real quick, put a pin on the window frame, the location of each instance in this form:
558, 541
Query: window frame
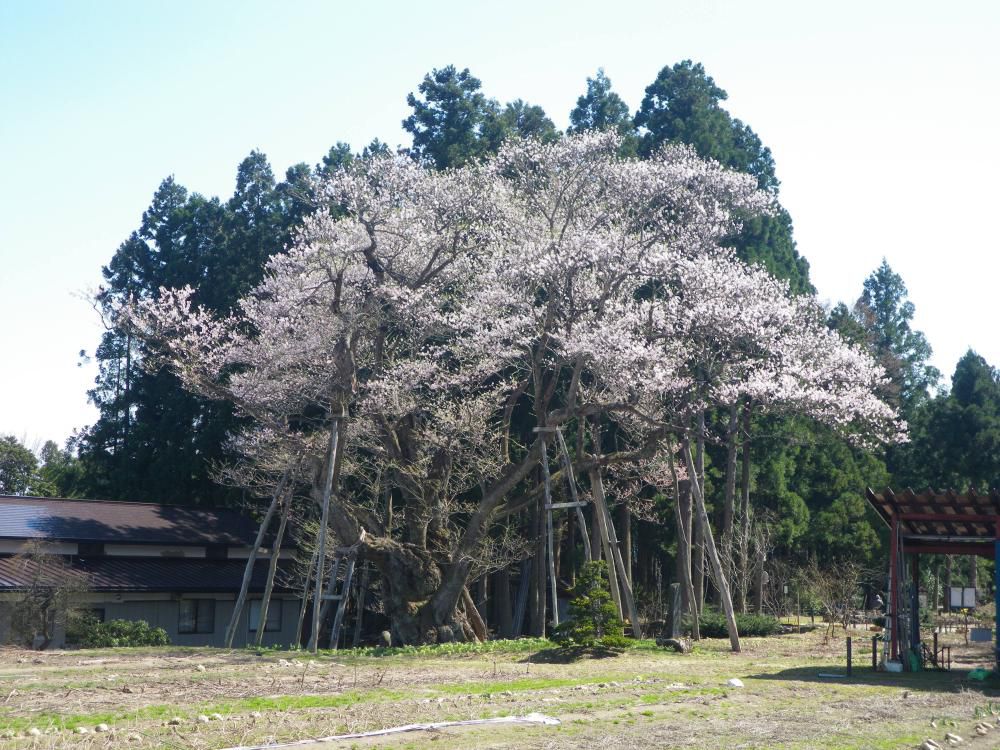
274, 616
202, 618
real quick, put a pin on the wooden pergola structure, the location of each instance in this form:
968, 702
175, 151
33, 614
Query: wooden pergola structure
934, 523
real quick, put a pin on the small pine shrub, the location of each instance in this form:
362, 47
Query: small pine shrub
713, 625
593, 619
90, 633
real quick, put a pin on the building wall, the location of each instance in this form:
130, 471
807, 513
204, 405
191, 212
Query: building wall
163, 610
165, 614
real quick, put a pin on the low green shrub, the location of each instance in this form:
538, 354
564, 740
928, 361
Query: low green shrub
713, 625
90, 633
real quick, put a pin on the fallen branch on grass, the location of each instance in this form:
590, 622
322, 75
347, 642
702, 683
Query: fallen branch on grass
529, 719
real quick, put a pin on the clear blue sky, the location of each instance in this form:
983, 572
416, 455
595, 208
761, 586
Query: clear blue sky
882, 117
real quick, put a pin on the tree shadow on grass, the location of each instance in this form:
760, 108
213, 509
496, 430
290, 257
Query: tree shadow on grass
926, 681
570, 654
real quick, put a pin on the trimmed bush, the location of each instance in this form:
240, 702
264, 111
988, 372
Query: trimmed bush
713, 625
90, 633
593, 619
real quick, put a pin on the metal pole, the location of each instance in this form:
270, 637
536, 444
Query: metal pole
849, 655
874, 653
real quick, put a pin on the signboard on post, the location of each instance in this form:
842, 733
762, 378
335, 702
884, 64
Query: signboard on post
960, 597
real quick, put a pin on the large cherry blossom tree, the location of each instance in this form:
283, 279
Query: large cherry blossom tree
420, 342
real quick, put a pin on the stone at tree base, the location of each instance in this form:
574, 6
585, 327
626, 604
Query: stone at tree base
680, 645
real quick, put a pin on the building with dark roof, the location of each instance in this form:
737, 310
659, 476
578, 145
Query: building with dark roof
178, 568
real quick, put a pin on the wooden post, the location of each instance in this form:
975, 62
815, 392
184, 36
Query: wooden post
676, 612
850, 666
362, 595
996, 599
251, 560
501, 604
713, 553
345, 593
915, 602
571, 481
893, 621
305, 599
874, 653
597, 486
323, 523
272, 567
547, 482
601, 526
521, 604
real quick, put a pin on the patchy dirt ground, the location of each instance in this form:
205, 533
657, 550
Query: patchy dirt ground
644, 698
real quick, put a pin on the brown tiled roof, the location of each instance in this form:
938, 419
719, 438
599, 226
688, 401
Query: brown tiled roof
115, 522
172, 575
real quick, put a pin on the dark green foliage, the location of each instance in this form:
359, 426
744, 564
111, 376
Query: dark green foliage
955, 437
885, 313
683, 106
447, 123
602, 109
713, 625
60, 474
593, 619
17, 466
88, 632
517, 119
153, 441
454, 123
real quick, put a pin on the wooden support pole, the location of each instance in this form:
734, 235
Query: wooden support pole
571, 481
875, 653
915, 602
345, 593
893, 622
615, 557
549, 545
362, 596
331, 459
713, 553
305, 599
850, 666
251, 560
272, 567
601, 526
996, 581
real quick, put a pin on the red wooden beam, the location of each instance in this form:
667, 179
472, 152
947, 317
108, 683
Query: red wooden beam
982, 549
948, 517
